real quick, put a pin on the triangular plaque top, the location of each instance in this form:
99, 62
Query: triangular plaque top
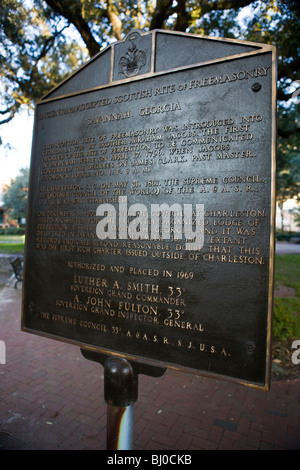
144, 54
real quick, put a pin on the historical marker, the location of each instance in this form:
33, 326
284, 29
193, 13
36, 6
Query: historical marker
150, 229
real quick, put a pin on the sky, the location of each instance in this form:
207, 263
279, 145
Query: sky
17, 133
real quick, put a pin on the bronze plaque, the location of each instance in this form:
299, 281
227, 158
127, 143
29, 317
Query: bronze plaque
150, 229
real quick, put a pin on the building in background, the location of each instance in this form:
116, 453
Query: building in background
285, 218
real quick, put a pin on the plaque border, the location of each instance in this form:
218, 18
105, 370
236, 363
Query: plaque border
260, 49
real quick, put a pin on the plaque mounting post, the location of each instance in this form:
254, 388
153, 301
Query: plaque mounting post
120, 394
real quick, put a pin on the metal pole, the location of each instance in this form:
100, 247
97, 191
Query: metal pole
120, 393
119, 427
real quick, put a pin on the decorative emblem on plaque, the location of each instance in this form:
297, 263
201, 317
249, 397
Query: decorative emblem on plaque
133, 61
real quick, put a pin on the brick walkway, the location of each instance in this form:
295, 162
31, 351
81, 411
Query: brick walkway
52, 398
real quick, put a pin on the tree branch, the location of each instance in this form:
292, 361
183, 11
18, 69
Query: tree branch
183, 17
162, 11
281, 96
115, 20
210, 5
12, 111
73, 14
5, 111
49, 42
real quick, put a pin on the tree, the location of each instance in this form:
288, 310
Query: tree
15, 196
288, 161
297, 216
43, 41
34, 54
278, 23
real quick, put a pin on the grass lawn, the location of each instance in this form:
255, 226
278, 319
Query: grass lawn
12, 243
287, 271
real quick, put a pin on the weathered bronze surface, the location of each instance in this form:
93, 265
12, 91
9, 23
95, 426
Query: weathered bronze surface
157, 132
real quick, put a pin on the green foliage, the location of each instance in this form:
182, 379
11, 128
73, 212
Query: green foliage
12, 231
286, 323
35, 54
15, 196
45, 40
286, 236
297, 217
277, 22
288, 161
216, 23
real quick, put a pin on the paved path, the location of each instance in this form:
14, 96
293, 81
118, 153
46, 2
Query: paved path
52, 398
287, 248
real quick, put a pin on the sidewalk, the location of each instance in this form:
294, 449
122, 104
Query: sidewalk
287, 248
52, 398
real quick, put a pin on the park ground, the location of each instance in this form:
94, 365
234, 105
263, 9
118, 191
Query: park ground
52, 397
